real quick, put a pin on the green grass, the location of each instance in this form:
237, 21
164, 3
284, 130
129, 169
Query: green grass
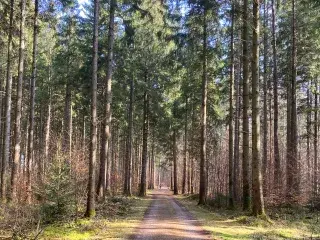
285, 223
117, 226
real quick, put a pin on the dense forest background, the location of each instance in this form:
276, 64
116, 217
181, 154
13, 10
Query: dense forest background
209, 97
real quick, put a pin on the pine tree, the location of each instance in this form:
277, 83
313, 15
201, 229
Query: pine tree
90, 212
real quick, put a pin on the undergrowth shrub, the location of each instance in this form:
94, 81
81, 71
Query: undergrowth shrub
57, 192
314, 203
114, 206
192, 197
218, 201
17, 220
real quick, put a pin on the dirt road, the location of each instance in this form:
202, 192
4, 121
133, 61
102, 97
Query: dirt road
166, 219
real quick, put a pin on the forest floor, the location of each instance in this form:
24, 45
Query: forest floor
105, 226
167, 219
286, 223
117, 218
163, 216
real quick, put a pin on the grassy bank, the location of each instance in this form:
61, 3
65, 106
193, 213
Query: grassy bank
286, 223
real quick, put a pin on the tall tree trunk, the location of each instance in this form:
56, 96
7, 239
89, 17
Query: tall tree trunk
138, 162
245, 121
275, 102
236, 175
175, 163
25, 146
315, 143
114, 164
171, 175
309, 98
7, 125
184, 174
145, 135
17, 129
128, 177
292, 161
257, 193
189, 175
159, 176
113, 145
288, 135
152, 162
2, 164
203, 142
40, 141
103, 183
231, 102
32, 101
48, 124
84, 128
149, 171
192, 148
68, 122
134, 163
265, 93
90, 211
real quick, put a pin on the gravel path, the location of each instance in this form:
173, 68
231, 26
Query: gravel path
166, 219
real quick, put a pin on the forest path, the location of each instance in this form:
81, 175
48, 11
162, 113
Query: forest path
167, 219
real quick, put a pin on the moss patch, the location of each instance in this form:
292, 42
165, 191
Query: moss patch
233, 224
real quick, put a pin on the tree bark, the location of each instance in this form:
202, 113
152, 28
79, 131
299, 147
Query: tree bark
309, 100
114, 166
257, 192
90, 211
245, 121
128, 177
84, 128
67, 122
184, 174
17, 129
203, 141
292, 161
175, 163
32, 101
48, 124
265, 93
277, 169
315, 141
236, 175
103, 187
192, 188
145, 135
171, 178
231, 102
152, 163
7, 125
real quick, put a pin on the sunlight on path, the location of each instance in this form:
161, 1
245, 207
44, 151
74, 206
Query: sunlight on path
166, 219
